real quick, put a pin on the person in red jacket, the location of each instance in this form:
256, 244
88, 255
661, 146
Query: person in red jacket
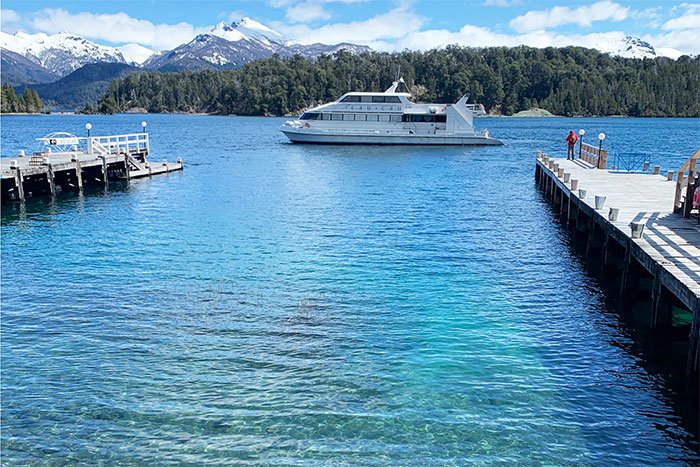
571, 142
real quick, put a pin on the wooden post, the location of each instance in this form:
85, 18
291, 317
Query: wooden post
52, 182
662, 310
693, 366
604, 252
127, 174
19, 182
104, 169
79, 175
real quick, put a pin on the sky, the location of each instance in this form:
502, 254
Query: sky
388, 25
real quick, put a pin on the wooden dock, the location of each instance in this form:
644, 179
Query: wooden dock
67, 162
627, 222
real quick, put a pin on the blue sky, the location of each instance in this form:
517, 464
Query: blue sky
382, 24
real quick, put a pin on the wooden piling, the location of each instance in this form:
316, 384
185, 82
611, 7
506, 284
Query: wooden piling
79, 175
663, 255
50, 178
19, 183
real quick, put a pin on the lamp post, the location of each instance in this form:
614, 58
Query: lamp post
581, 132
88, 127
143, 125
601, 137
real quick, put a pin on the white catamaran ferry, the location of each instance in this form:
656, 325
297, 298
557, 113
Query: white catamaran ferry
389, 117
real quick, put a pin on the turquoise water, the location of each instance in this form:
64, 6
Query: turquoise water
282, 304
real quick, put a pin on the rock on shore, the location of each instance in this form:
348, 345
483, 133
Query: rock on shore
534, 112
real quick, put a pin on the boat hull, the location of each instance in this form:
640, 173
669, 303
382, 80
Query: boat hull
307, 137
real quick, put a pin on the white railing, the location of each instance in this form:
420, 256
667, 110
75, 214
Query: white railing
118, 144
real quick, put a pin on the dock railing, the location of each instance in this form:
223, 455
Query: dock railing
594, 156
686, 185
131, 144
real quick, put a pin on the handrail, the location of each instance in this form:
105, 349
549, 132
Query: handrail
136, 143
684, 206
594, 156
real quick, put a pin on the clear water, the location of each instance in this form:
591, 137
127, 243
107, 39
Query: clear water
283, 304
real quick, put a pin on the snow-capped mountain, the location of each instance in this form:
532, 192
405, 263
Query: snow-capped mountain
59, 53
209, 52
233, 45
634, 47
18, 69
247, 28
135, 53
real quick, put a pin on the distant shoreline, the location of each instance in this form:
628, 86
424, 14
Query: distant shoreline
525, 115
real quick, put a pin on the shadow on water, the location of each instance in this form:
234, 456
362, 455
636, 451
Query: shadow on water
16, 211
662, 357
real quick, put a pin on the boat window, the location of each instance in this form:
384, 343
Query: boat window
310, 116
395, 118
392, 100
350, 117
420, 118
337, 116
383, 117
361, 117
380, 99
351, 99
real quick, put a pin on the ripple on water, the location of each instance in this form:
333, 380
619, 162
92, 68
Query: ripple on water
286, 304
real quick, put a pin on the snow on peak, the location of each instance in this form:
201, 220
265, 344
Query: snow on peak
246, 29
60, 53
629, 47
227, 32
252, 25
135, 53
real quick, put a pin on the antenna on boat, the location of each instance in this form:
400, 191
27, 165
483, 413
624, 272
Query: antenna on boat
398, 74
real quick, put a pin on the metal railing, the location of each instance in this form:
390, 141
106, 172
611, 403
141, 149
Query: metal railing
631, 162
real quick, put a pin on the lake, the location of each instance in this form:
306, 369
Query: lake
284, 304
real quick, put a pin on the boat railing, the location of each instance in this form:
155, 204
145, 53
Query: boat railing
476, 109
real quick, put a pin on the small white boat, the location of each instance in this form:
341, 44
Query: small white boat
389, 117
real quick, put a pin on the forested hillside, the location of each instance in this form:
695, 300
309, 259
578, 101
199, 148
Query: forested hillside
565, 81
28, 102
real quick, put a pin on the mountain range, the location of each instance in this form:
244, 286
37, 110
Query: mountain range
32, 59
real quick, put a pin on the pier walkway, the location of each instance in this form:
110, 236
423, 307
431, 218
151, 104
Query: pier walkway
627, 221
66, 162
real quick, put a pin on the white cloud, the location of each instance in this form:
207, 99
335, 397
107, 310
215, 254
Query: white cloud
393, 24
686, 21
687, 7
682, 32
685, 41
559, 15
306, 12
115, 28
235, 15
475, 36
9, 20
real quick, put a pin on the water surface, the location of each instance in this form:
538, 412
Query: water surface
285, 304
